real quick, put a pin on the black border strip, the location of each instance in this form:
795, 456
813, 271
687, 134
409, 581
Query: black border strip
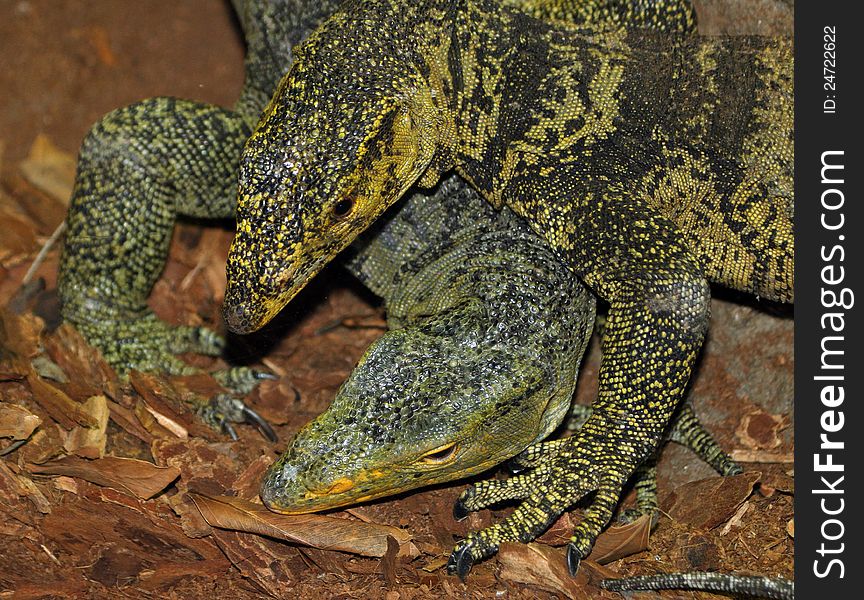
828, 270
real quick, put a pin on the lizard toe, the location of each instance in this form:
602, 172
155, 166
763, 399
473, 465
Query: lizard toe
242, 380
460, 513
460, 561
222, 411
198, 340
574, 559
493, 491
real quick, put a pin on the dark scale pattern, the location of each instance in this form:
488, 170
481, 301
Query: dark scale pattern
650, 163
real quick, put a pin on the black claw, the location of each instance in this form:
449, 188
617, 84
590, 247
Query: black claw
513, 466
253, 418
265, 375
459, 511
229, 429
460, 561
573, 559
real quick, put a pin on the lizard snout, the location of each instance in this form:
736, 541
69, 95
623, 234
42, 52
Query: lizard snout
237, 318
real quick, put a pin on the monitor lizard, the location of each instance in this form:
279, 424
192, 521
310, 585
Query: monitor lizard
650, 163
164, 157
487, 329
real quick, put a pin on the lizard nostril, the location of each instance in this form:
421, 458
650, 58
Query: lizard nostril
236, 317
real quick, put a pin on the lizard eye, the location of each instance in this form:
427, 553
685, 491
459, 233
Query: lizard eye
440, 455
343, 208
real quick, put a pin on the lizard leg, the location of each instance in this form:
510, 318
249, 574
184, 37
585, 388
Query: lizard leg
659, 304
139, 168
688, 431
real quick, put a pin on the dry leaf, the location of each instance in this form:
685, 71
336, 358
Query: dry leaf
50, 169
560, 532
144, 416
19, 336
14, 486
759, 430
248, 483
135, 477
166, 421
775, 482
318, 531
66, 484
387, 564
45, 444
762, 457
17, 422
35, 495
707, 503
622, 540
543, 567
127, 420
616, 542
735, 521
269, 564
74, 355
160, 400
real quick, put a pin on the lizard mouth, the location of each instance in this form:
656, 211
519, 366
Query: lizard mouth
286, 491
245, 311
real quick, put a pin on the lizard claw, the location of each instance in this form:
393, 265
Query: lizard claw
460, 561
229, 429
513, 466
260, 423
266, 375
573, 559
460, 511
223, 409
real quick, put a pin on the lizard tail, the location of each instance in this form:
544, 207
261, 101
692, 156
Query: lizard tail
771, 588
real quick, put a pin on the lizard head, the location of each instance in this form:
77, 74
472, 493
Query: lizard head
350, 128
419, 409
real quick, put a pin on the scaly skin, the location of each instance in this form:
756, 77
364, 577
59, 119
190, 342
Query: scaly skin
649, 163
140, 168
143, 165
739, 585
487, 330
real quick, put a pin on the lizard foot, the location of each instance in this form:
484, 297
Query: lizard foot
562, 472
223, 410
143, 342
242, 380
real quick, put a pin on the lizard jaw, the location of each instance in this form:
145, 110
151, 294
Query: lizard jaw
246, 311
